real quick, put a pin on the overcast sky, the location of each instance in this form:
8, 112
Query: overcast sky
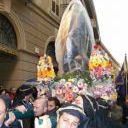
113, 24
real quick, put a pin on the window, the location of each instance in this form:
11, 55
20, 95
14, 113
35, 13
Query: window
51, 52
7, 33
56, 7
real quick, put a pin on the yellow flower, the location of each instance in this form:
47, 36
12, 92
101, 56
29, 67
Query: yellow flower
114, 96
71, 80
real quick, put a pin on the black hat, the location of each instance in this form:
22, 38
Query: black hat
21, 92
25, 90
6, 100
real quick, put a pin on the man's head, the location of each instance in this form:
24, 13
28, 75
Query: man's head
67, 120
3, 109
70, 116
40, 106
53, 103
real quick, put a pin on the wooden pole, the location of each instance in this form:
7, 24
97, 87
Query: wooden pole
126, 76
126, 96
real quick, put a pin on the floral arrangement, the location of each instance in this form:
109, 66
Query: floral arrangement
100, 65
105, 90
101, 68
45, 69
67, 90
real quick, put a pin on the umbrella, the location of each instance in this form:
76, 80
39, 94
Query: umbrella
31, 82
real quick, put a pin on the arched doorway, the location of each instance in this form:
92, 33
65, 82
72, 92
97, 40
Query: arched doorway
8, 48
51, 52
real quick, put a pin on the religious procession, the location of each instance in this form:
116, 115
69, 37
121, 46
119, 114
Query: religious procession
84, 90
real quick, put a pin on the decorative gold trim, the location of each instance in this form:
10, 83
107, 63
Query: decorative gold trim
8, 50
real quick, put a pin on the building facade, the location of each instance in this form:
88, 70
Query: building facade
28, 29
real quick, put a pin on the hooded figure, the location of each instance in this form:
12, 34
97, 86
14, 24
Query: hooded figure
71, 116
23, 96
89, 105
97, 112
103, 119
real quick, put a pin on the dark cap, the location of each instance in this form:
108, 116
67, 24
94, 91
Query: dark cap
6, 100
25, 90
73, 110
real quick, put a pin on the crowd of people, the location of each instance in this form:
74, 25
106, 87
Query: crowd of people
31, 107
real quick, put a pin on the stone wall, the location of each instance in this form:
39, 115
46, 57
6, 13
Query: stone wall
35, 29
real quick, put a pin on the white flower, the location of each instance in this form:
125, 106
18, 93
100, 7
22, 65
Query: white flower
80, 84
62, 81
75, 89
68, 84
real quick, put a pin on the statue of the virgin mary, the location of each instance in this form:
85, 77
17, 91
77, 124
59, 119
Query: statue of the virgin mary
75, 37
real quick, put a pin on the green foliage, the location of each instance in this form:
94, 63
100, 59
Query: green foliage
76, 74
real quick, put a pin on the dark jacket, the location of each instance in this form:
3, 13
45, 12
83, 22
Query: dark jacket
15, 124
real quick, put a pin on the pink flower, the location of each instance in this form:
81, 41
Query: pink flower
59, 91
97, 93
69, 96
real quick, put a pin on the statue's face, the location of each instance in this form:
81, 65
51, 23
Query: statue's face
67, 120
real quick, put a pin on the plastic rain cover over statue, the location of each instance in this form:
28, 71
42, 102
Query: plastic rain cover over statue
75, 37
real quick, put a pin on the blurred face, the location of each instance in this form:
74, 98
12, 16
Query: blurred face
3, 92
51, 105
27, 97
68, 121
2, 111
40, 106
13, 90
